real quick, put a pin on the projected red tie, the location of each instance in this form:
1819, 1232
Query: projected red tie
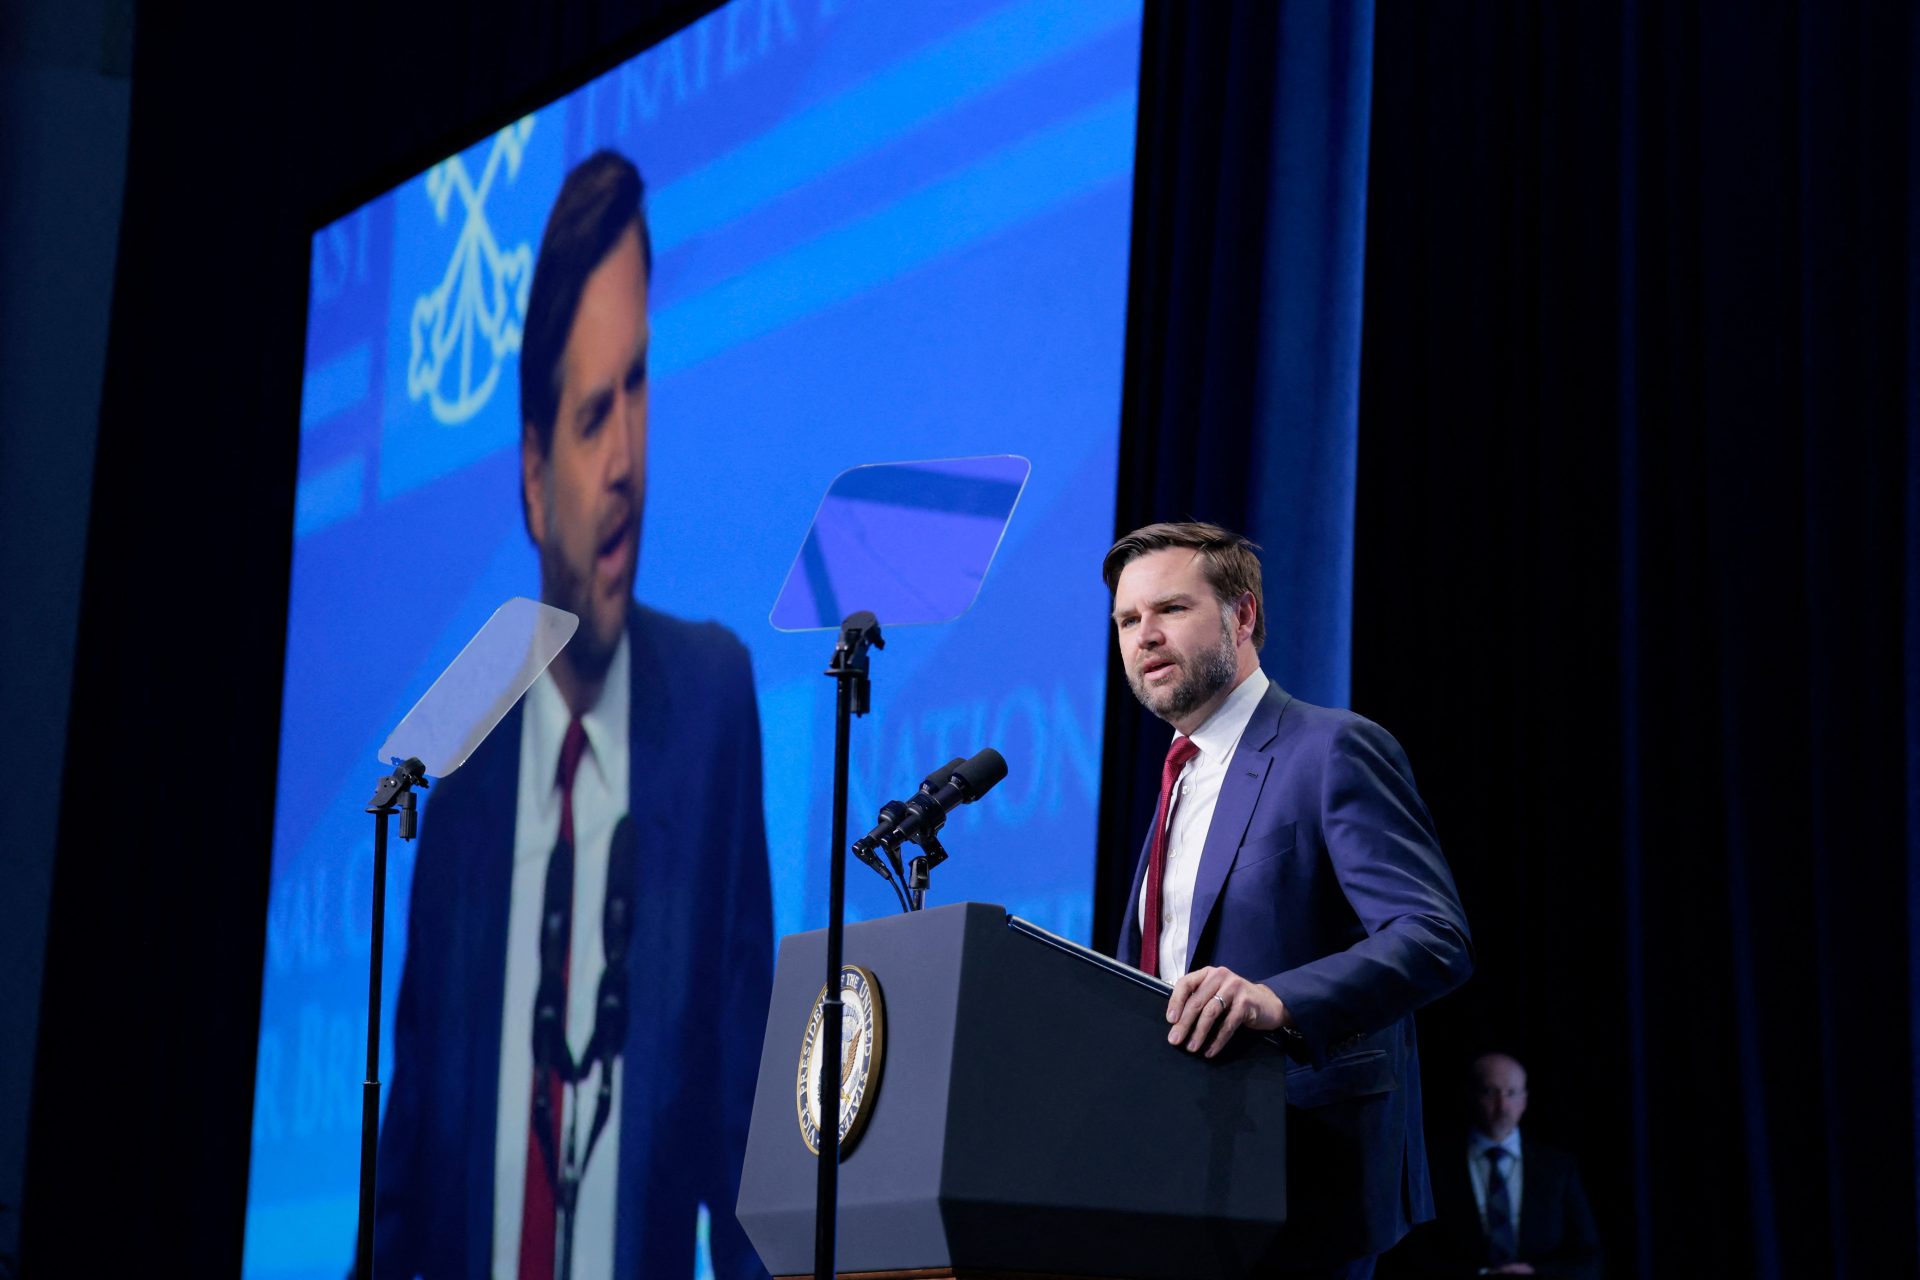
537, 1203
1182, 750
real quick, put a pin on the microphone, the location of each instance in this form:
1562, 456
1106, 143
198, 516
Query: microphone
550, 998
616, 933
610, 1004
938, 778
966, 781
550, 1052
890, 814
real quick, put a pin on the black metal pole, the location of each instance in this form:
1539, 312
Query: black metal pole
393, 795
826, 1203
849, 669
370, 1088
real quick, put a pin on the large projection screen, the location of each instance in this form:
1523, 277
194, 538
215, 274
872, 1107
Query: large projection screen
878, 232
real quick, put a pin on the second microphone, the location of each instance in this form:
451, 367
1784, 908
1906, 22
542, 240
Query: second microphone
926, 811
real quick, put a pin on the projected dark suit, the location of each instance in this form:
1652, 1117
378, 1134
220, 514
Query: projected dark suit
701, 971
1321, 877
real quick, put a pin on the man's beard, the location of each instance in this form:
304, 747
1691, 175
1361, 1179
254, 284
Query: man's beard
1202, 675
589, 653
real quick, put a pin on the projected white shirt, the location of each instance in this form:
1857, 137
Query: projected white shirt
599, 798
1199, 791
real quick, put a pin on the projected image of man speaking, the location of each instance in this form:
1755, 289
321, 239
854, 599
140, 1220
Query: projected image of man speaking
590, 929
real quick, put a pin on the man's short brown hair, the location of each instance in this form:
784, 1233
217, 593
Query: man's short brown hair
601, 197
1231, 562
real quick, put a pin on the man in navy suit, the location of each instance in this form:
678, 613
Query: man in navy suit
1293, 885
1504, 1208
589, 939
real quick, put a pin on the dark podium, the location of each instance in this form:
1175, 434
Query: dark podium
1029, 1117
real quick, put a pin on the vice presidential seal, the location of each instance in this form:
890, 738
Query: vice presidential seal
863, 1026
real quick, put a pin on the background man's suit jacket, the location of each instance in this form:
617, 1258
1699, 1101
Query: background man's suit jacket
1321, 876
702, 972
1557, 1231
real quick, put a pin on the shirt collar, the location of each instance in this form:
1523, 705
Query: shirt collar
1221, 733
1478, 1143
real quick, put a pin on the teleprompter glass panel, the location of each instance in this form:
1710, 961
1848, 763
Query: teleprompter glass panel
480, 685
911, 542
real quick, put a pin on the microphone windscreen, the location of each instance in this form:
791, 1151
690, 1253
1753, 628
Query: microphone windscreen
982, 773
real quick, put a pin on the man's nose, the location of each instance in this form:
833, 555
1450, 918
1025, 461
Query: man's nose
619, 460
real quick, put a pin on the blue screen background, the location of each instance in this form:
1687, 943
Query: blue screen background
881, 232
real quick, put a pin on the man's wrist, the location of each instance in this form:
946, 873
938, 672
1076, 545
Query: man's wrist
1282, 1021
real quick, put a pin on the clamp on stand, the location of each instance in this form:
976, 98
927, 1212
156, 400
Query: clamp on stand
932, 855
395, 794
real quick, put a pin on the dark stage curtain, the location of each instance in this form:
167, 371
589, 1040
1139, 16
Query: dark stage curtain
1635, 501
1637, 573
1243, 341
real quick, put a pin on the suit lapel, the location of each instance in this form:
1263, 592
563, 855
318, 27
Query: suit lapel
1128, 951
650, 718
650, 724
653, 778
488, 846
1239, 793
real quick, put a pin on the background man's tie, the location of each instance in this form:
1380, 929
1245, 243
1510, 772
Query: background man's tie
1502, 1244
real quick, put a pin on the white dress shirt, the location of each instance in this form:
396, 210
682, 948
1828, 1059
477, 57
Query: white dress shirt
1478, 1144
599, 799
1196, 792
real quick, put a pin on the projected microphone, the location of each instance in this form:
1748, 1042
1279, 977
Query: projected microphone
550, 998
616, 933
551, 1058
610, 1004
927, 811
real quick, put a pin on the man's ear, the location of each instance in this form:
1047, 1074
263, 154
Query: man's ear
533, 484
1245, 614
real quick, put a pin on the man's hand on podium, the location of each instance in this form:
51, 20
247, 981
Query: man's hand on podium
1208, 1005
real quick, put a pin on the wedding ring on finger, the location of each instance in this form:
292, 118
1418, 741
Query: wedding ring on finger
1223, 1005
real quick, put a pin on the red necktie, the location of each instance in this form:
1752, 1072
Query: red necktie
1182, 750
536, 1205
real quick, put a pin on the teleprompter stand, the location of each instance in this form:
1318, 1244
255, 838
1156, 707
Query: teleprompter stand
912, 542
395, 794
849, 670
434, 738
